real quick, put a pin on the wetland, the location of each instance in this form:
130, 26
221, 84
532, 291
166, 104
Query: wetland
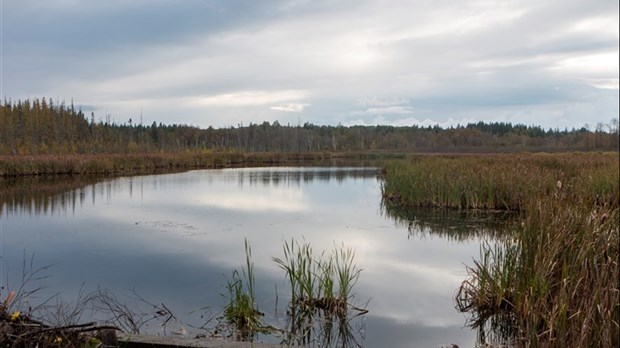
438, 250
175, 238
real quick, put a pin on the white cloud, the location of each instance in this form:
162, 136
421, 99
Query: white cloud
602, 83
388, 110
599, 70
376, 101
290, 107
252, 98
256, 201
607, 23
366, 58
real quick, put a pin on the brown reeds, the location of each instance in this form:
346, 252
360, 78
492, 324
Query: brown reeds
130, 164
496, 181
554, 281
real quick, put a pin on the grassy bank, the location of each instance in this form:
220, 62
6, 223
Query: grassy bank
498, 181
555, 282
128, 164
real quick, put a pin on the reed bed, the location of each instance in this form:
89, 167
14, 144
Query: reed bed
554, 281
128, 164
497, 181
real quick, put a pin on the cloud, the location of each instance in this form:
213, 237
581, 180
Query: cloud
395, 110
274, 200
252, 98
220, 63
376, 101
593, 69
290, 107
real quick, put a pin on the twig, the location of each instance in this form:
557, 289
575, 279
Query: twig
80, 328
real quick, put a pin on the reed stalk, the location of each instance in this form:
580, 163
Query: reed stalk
553, 281
321, 288
242, 311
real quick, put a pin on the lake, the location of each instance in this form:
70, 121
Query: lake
176, 238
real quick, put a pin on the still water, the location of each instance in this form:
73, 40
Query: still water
175, 238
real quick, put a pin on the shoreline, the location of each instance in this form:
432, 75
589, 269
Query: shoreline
152, 341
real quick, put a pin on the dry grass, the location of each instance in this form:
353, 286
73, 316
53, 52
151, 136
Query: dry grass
497, 181
129, 164
554, 281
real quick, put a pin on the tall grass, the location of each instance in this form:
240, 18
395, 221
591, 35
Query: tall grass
568, 271
127, 164
242, 311
321, 290
497, 181
554, 281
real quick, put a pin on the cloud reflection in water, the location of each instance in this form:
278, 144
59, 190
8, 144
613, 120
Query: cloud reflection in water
174, 237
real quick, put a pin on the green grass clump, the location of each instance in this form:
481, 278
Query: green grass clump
242, 312
321, 290
321, 293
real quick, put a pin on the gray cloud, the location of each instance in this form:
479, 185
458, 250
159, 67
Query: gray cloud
228, 62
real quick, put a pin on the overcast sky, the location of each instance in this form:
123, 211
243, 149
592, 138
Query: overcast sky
552, 63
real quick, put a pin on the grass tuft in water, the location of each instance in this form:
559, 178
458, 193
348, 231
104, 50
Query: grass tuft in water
242, 312
321, 290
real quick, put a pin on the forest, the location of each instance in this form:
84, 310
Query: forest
43, 127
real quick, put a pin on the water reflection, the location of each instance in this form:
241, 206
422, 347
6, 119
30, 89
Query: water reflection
451, 224
37, 195
43, 194
173, 237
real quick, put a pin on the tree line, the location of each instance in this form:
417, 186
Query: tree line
40, 126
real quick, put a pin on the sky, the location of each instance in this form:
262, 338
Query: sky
225, 63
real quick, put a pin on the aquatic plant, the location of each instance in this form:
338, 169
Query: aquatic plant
556, 282
321, 290
242, 311
497, 181
553, 279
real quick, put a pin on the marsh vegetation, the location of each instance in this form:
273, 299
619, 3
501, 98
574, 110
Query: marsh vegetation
554, 280
318, 313
320, 305
562, 204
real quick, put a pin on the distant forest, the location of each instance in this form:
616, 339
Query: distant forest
40, 126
